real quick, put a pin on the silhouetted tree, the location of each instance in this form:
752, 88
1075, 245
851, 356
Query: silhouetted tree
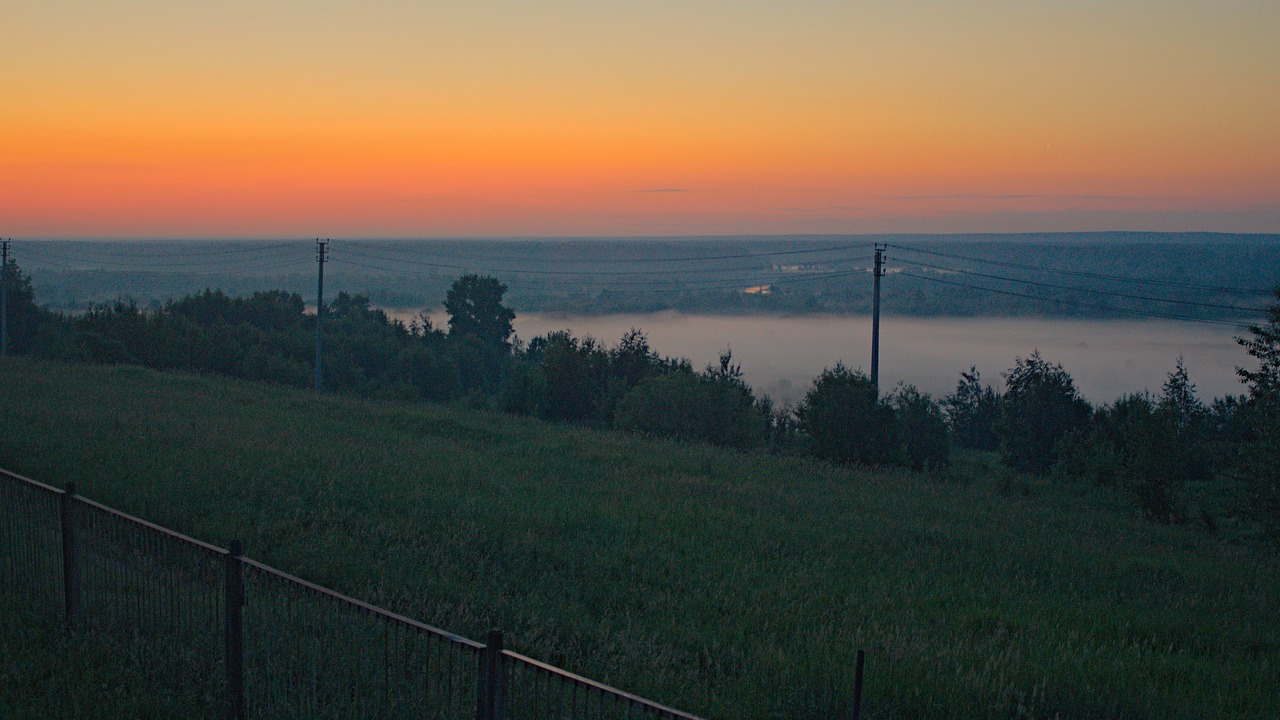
632, 359
1260, 457
430, 370
475, 308
971, 412
1182, 411
1179, 402
1040, 406
846, 422
714, 406
925, 440
570, 376
24, 316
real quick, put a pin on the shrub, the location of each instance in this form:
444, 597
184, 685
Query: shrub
1260, 459
972, 411
432, 372
846, 422
569, 369
1040, 406
1133, 444
925, 441
714, 406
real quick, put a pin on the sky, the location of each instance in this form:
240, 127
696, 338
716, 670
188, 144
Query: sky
410, 118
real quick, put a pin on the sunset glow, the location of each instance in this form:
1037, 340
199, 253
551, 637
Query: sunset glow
575, 118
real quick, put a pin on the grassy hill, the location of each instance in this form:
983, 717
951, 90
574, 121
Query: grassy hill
725, 584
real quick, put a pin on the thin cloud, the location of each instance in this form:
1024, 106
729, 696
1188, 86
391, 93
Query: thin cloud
819, 208
663, 190
980, 196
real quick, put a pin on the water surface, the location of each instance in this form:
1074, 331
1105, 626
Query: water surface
780, 356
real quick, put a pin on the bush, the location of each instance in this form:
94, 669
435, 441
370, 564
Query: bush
925, 441
523, 390
972, 411
846, 422
1157, 468
1133, 444
714, 406
432, 372
570, 375
1040, 406
1090, 456
1260, 459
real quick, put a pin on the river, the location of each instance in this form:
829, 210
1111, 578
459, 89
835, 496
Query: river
780, 356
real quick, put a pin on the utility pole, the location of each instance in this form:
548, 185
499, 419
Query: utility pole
878, 273
4, 298
322, 250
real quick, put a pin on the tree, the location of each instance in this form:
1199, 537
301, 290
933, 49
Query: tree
475, 308
1158, 467
1040, 406
570, 379
479, 329
1260, 459
430, 370
1182, 411
632, 359
1132, 445
925, 441
1178, 401
845, 421
692, 406
24, 316
1264, 383
972, 411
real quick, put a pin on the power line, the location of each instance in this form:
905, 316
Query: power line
171, 248
561, 273
1082, 273
615, 260
717, 283
1075, 288
45, 257
1076, 303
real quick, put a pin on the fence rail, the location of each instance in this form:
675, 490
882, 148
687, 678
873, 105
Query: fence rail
249, 641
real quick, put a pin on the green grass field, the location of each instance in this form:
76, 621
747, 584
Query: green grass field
728, 585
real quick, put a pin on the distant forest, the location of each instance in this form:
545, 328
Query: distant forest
1202, 276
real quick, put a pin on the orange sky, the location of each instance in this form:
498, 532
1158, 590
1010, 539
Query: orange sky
402, 118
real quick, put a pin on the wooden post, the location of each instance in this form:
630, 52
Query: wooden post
233, 635
857, 685
877, 272
70, 558
489, 689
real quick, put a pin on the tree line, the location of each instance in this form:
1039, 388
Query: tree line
1152, 447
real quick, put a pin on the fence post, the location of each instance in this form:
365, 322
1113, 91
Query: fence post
857, 685
233, 635
489, 689
70, 558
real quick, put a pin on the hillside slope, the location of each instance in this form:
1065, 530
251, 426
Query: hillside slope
729, 585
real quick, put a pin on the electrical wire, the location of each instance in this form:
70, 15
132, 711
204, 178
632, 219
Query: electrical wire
43, 256
409, 261
564, 273
1074, 288
1081, 273
716, 283
607, 261
1076, 303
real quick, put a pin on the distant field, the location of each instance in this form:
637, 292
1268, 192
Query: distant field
728, 585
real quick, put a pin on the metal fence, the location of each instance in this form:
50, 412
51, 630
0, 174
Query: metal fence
245, 640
